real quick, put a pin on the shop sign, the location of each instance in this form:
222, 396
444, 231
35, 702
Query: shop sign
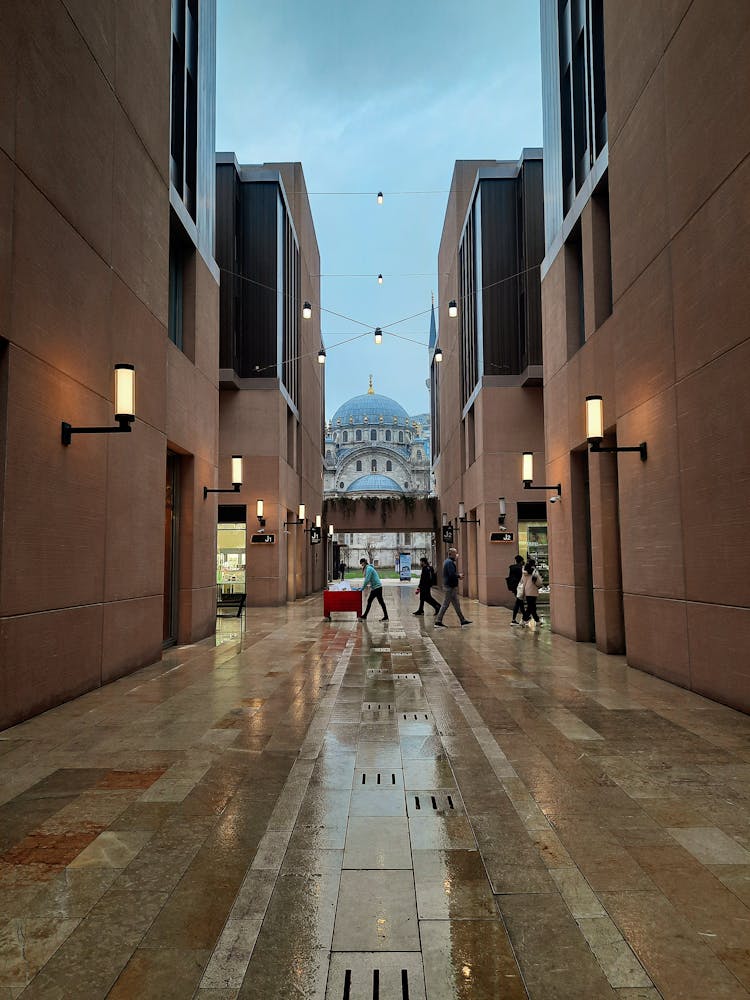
448, 534
262, 539
501, 536
315, 535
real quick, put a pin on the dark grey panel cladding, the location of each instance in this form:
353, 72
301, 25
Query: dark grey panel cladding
500, 267
258, 351
230, 312
531, 245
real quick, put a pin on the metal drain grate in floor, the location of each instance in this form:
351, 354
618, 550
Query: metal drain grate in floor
377, 672
372, 976
399, 652
407, 677
378, 706
381, 649
433, 803
384, 779
414, 716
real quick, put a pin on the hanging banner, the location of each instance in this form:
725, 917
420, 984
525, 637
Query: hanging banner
448, 534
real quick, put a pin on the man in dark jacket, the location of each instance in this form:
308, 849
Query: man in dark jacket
515, 572
425, 583
451, 576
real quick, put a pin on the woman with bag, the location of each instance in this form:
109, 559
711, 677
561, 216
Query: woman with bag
531, 581
427, 580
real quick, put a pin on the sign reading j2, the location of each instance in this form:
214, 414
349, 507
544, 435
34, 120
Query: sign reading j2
448, 534
501, 536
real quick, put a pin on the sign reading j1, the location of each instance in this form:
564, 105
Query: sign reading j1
315, 535
501, 536
262, 539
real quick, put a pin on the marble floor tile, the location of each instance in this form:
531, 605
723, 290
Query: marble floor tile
376, 911
378, 802
452, 885
377, 843
711, 846
112, 849
469, 959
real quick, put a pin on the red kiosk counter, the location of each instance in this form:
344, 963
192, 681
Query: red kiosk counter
342, 600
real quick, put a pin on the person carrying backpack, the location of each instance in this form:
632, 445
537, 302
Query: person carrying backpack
512, 581
531, 581
427, 580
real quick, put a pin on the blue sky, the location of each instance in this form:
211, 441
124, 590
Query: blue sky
378, 97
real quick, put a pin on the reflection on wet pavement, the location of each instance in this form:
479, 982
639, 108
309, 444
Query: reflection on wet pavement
338, 811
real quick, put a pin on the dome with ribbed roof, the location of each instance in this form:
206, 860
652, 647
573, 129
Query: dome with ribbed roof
373, 406
374, 483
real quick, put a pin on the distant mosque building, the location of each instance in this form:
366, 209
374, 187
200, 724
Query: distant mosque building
374, 448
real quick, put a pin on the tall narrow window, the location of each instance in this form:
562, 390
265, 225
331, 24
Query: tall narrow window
358, 435
184, 102
389, 466
388, 435
359, 466
176, 290
373, 435
374, 465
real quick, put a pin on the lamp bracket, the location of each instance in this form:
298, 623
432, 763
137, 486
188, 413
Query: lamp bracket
124, 426
466, 520
528, 486
236, 487
640, 448
297, 520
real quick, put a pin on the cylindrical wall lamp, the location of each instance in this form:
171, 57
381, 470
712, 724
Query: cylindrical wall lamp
378, 336
501, 511
124, 404
595, 429
445, 520
380, 197
438, 355
461, 511
321, 356
527, 475
453, 309
594, 418
306, 311
330, 531
259, 513
301, 513
318, 521
380, 279
236, 478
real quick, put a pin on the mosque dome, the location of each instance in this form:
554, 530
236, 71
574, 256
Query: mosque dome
374, 483
373, 406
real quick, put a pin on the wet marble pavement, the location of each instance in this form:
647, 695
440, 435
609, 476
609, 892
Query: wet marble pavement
349, 811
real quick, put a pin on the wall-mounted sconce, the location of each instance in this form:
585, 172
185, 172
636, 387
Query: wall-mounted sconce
438, 355
445, 520
527, 474
378, 335
306, 310
259, 513
501, 511
453, 309
595, 428
300, 516
380, 197
321, 356
318, 521
124, 407
462, 514
236, 478
330, 531
380, 279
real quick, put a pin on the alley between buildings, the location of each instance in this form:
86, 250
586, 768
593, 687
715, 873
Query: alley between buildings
345, 811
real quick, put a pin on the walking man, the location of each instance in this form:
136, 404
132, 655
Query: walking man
515, 572
427, 580
451, 576
372, 580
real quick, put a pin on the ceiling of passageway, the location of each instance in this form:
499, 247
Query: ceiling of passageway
378, 98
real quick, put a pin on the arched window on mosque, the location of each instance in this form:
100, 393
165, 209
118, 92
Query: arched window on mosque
345, 436
359, 435
400, 437
389, 466
373, 435
374, 465
359, 466
388, 435
419, 454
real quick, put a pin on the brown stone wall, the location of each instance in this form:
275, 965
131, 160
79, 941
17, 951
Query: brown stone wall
671, 361
84, 235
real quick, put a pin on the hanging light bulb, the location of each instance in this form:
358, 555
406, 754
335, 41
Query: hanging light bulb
380, 279
378, 336
321, 357
438, 355
380, 197
307, 311
453, 309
